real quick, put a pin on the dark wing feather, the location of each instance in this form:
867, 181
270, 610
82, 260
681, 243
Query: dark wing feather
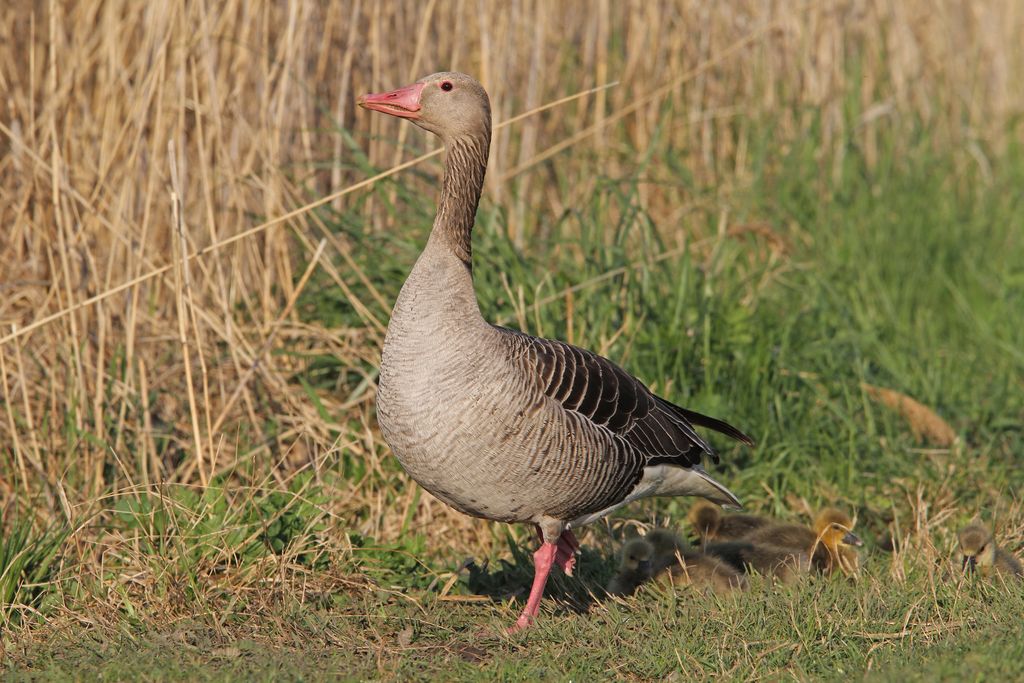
712, 423
604, 393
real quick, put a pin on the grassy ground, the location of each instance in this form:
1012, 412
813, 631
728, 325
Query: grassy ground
909, 277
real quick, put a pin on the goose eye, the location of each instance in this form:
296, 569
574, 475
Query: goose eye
447, 86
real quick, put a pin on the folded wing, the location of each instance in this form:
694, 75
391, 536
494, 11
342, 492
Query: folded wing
608, 396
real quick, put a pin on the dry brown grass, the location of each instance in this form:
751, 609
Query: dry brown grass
925, 424
137, 134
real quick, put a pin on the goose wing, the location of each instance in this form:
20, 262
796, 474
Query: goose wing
608, 396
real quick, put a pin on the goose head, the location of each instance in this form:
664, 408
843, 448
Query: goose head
637, 555
705, 518
448, 104
977, 547
834, 529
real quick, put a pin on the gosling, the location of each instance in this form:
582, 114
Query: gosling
666, 543
640, 564
639, 554
699, 569
634, 567
676, 561
710, 524
980, 552
780, 564
829, 544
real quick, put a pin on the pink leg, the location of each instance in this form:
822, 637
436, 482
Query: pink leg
542, 561
568, 546
567, 549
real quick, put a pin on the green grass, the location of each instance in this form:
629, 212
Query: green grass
819, 630
909, 276
27, 563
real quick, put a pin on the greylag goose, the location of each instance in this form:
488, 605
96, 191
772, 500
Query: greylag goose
695, 568
637, 556
497, 423
666, 542
782, 564
641, 562
979, 551
634, 567
828, 544
710, 524
680, 563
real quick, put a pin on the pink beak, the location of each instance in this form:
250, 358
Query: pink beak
403, 103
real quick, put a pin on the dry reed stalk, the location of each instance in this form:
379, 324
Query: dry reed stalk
303, 281
183, 296
268, 224
639, 102
15, 432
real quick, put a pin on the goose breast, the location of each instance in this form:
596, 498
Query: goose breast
472, 428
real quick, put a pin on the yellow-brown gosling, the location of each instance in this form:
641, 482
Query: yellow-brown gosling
980, 552
832, 531
672, 550
711, 524
782, 564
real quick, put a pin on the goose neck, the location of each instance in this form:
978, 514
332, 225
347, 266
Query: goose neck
463, 181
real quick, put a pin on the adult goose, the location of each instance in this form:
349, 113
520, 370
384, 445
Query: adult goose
497, 423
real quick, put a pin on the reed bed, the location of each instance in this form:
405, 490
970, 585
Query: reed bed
136, 134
